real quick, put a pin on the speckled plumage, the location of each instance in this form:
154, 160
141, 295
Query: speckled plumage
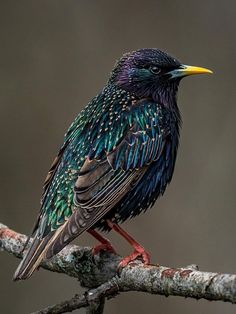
118, 155
98, 138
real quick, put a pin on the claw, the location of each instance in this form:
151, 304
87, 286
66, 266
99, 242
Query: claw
140, 252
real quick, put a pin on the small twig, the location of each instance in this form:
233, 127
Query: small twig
93, 300
100, 275
96, 307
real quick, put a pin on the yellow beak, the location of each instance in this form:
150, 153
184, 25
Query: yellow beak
190, 70
185, 70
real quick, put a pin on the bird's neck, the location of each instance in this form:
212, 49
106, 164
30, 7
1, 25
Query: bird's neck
165, 97
163, 94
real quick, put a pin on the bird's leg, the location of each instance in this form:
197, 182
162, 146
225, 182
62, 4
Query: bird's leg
105, 243
138, 249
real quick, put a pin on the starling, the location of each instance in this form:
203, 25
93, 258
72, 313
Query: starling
117, 158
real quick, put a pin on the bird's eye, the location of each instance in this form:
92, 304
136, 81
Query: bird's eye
155, 70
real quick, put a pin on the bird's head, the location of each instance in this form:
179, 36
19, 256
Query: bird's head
151, 73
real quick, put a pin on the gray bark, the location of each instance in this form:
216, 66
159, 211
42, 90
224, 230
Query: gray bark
101, 275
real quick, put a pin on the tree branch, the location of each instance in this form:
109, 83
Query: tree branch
100, 274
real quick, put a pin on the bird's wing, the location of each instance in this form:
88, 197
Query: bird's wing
117, 159
107, 175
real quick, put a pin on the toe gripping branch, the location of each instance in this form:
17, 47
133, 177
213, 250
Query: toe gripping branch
106, 245
139, 250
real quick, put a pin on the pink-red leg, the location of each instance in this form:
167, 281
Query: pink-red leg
139, 250
105, 243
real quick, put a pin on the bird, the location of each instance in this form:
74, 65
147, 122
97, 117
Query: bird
117, 158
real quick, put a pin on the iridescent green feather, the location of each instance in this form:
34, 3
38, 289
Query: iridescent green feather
99, 129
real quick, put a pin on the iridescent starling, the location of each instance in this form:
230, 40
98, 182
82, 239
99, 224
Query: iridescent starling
117, 158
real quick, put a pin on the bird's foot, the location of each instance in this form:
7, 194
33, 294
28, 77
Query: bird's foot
139, 252
103, 247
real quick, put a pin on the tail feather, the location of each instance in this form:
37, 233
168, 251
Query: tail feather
33, 257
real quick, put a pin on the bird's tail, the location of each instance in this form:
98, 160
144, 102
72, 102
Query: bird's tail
48, 246
33, 257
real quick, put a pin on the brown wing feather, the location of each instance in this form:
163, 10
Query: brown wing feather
97, 190
33, 257
38, 246
52, 171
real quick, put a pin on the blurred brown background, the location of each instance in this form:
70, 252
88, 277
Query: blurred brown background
54, 57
